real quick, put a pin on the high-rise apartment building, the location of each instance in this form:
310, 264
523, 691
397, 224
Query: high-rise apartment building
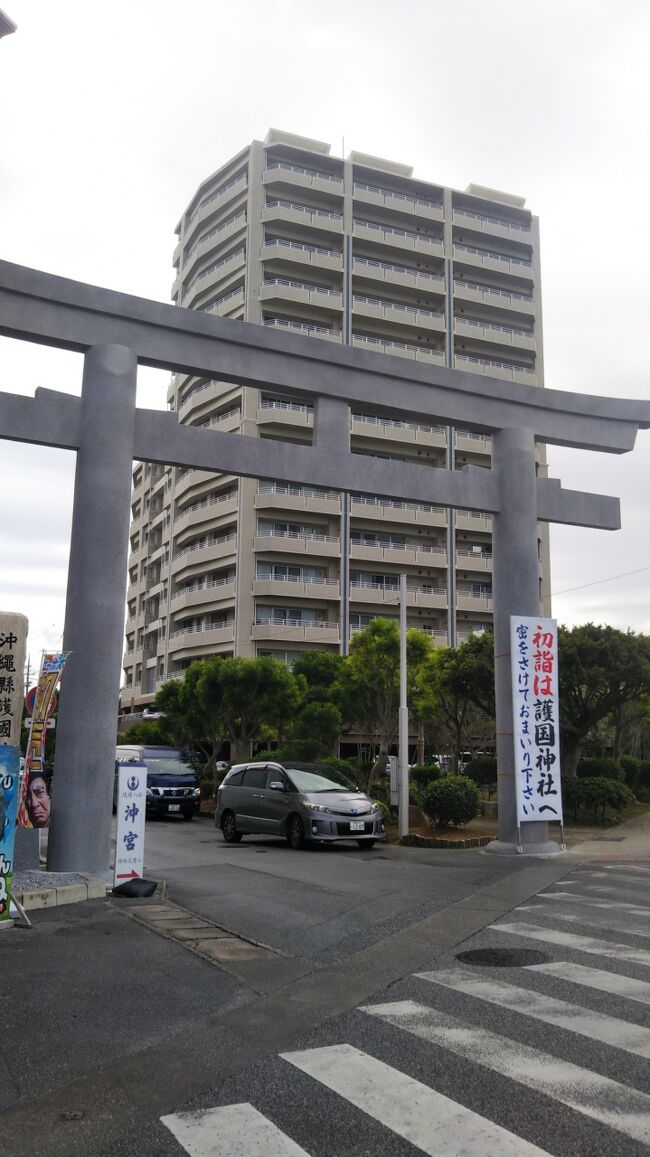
353, 251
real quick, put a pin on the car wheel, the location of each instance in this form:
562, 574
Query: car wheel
229, 828
296, 833
366, 843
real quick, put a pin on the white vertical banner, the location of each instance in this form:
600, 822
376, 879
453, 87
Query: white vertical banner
131, 809
536, 718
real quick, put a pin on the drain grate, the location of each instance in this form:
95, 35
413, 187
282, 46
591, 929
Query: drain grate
503, 957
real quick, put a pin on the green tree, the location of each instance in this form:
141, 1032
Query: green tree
249, 695
319, 723
456, 685
321, 671
368, 685
191, 721
600, 670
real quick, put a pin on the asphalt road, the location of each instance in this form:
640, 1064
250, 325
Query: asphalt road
358, 1030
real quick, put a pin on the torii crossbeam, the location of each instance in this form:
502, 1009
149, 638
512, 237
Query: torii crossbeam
115, 333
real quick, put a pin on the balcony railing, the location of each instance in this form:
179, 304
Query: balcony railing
213, 307
492, 290
201, 628
304, 285
509, 329
211, 423
302, 326
302, 536
493, 220
289, 622
213, 500
298, 491
398, 504
204, 545
397, 423
288, 168
387, 344
208, 585
429, 203
414, 310
221, 228
217, 194
492, 363
393, 230
291, 578
302, 245
493, 256
390, 267
296, 207
294, 407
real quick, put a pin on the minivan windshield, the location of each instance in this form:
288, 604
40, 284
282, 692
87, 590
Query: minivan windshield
310, 781
169, 766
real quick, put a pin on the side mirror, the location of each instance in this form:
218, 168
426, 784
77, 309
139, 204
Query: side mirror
276, 785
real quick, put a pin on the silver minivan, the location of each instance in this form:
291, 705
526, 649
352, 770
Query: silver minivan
303, 806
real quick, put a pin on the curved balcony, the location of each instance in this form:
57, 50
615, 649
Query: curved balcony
195, 556
318, 256
206, 596
297, 588
208, 509
288, 543
195, 642
279, 497
320, 633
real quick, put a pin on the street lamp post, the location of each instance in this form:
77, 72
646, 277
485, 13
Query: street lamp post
403, 747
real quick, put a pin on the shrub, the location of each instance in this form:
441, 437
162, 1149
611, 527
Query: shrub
596, 795
451, 800
631, 768
424, 774
599, 769
483, 770
385, 810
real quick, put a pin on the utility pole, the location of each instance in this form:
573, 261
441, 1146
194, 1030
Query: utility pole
403, 747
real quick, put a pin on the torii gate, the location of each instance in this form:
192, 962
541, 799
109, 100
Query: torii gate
116, 332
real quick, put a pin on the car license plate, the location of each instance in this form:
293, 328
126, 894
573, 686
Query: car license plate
357, 826
174, 807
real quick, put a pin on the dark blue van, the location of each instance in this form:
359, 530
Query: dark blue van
172, 780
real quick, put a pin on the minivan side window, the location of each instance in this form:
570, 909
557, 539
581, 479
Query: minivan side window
234, 779
275, 776
255, 776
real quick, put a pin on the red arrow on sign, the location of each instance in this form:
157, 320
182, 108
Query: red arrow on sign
127, 875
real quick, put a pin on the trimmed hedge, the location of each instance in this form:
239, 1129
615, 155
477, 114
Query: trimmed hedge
596, 795
483, 771
600, 769
451, 800
424, 774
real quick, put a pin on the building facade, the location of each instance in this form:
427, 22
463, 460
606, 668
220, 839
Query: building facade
353, 251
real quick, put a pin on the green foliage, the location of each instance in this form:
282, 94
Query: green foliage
385, 810
456, 685
600, 670
248, 695
451, 800
600, 769
631, 769
596, 795
154, 733
319, 724
321, 671
424, 773
482, 769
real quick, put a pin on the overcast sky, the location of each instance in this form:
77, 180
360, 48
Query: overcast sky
113, 114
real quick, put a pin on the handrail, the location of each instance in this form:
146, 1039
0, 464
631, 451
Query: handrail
392, 268
302, 245
398, 232
493, 255
289, 168
295, 206
217, 193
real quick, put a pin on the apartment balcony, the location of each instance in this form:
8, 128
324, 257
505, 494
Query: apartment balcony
211, 594
285, 173
490, 225
290, 588
395, 238
194, 643
294, 631
281, 498
469, 443
395, 274
132, 591
409, 555
472, 560
221, 234
392, 430
305, 216
217, 271
393, 510
490, 295
316, 256
491, 259
273, 413
491, 331
193, 478
397, 313
317, 545
308, 329
207, 510
281, 289
496, 369
227, 304
465, 601
401, 202
473, 520
212, 202
134, 556
429, 597
201, 395
399, 349
213, 552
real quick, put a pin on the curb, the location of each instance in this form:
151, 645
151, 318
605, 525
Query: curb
412, 841
53, 897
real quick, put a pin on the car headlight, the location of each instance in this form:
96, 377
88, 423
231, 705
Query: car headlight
376, 807
316, 807
149, 791
197, 790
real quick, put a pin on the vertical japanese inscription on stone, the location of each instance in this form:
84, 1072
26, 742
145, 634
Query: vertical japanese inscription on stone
535, 711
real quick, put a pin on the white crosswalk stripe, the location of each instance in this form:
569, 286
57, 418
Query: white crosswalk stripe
592, 902
429, 1120
230, 1131
609, 1030
611, 982
589, 1093
589, 944
600, 921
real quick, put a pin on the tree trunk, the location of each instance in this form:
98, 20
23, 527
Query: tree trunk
572, 755
420, 754
378, 768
